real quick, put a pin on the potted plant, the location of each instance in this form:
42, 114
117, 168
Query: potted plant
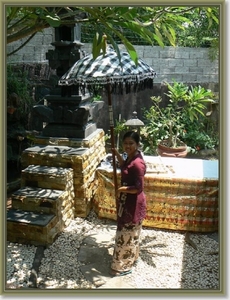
165, 124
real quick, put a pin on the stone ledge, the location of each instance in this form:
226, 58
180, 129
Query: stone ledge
32, 228
28, 217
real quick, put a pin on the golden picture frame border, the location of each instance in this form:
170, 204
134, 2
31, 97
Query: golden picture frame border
222, 155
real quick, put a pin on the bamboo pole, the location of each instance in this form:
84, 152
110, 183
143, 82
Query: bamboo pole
112, 139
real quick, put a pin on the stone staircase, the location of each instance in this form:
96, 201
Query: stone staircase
58, 184
42, 207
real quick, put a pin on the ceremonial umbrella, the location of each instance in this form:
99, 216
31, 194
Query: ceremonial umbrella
114, 71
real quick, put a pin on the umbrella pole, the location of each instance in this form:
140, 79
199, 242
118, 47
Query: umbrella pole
112, 140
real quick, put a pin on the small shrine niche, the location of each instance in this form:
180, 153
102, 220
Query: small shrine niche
67, 112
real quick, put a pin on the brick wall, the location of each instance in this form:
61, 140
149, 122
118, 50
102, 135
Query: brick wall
35, 50
179, 63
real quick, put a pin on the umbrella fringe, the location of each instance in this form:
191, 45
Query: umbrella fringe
102, 81
117, 88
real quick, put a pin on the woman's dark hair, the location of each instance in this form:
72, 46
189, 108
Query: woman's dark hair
133, 134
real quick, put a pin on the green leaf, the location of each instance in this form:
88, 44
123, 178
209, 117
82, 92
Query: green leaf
129, 47
199, 111
97, 45
53, 21
173, 33
139, 29
169, 36
115, 46
158, 37
131, 50
159, 41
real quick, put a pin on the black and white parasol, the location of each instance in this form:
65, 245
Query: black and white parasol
90, 72
115, 72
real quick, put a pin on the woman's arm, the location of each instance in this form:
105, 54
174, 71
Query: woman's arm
128, 189
119, 157
137, 172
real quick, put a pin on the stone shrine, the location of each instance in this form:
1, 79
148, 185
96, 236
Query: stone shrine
67, 113
58, 180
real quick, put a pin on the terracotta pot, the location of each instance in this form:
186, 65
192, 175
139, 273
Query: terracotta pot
11, 110
165, 151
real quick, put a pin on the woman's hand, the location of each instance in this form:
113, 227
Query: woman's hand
119, 157
122, 189
115, 151
126, 189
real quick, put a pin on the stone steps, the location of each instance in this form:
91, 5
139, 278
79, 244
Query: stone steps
83, 160
44, 201
38, 213
25, 227
47, 177
58, 179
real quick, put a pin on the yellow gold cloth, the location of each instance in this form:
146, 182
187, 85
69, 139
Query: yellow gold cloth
185, 198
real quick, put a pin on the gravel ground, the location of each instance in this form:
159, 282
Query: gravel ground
166, 261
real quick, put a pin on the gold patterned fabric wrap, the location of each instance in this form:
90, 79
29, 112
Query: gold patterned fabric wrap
189, 204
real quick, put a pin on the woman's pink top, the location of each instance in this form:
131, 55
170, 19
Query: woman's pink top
132, 175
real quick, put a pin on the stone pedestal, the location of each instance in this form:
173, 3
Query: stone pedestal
70, 131
32, 228
81, 155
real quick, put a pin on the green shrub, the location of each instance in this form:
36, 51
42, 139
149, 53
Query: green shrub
183, 119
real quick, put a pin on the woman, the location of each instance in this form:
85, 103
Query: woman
131, 206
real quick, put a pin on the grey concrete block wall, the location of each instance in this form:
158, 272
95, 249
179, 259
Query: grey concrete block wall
35, 50
171, 63
178, 63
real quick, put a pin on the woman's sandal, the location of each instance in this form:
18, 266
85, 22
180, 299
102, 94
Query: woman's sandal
136, 262
116, 273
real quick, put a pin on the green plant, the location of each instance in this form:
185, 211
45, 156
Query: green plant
118, 129
18, 83
96, 98
185, 105
120, 126
20, 100
198, 135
